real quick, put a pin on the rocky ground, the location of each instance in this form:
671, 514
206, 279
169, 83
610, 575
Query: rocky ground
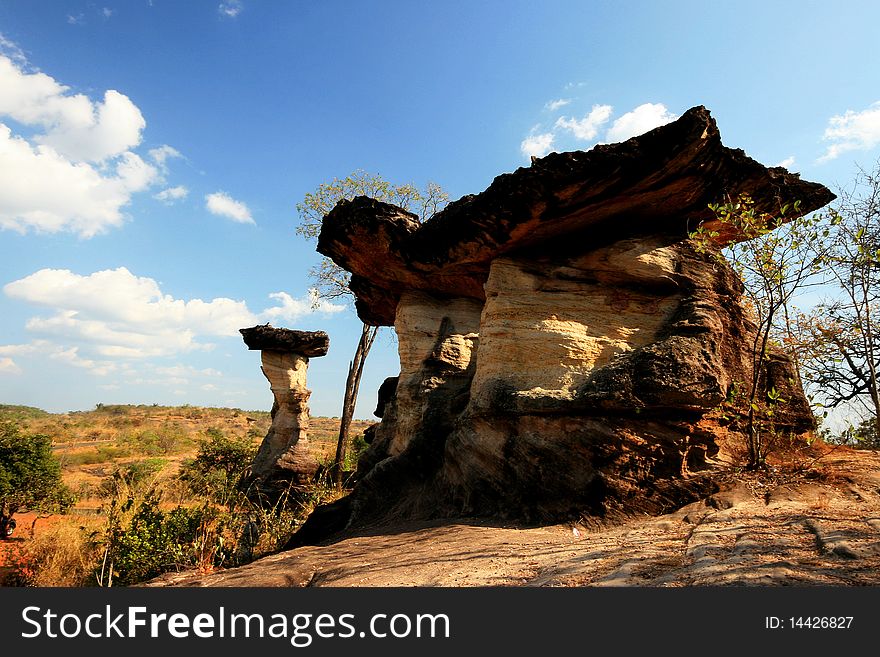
818, 524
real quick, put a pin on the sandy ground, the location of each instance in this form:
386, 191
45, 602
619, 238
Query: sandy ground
821, 527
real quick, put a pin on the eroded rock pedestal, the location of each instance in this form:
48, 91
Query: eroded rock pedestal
564, 348
284, 460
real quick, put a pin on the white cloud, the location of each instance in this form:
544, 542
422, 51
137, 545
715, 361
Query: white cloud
588, 127
223, 205
172, 194
141, 381
230, 8
113, 314
11, 50
74, 126
8, 366
787, 163
75, 171
537, 145
106, 12
117, 303
169, 376
642, 119
184, 371
71, 357
43, 191
39, 346
97, 131
36, 98
852, 131
76, 19
107, 340
133, 173
163, 153
18, 349
553, 105
292, 309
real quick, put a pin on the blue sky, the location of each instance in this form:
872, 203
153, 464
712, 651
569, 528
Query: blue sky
152, 153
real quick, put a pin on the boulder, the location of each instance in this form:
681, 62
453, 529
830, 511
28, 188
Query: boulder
565, 350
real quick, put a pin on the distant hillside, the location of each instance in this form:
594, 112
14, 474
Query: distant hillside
91, 444
19, 413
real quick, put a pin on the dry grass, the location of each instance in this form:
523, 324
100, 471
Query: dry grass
56, 553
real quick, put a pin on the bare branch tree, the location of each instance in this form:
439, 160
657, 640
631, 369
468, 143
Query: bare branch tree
332, 282
841, 337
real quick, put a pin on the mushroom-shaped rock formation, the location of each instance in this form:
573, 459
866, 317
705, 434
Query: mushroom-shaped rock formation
284, 459
564, 348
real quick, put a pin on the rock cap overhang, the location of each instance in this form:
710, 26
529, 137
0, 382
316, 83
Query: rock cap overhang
310, 344
657, 184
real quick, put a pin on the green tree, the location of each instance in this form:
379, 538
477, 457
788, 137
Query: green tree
332, 282
777, 257
30, 475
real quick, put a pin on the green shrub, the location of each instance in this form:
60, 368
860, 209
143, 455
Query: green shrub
219, 468
357, 448
133, 476
141, 541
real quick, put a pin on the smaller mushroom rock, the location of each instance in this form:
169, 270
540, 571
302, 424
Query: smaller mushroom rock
310, 344
284, 459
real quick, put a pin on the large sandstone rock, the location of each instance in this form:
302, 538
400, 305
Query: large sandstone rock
564, 349
284, 460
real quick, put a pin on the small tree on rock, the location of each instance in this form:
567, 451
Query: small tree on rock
776, 258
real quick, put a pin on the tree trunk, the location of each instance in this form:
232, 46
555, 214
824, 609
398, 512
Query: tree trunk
875, 398
756, 441
349, 401
872, 367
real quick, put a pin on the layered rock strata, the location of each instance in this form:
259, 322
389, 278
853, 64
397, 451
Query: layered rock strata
284, 460
564, 349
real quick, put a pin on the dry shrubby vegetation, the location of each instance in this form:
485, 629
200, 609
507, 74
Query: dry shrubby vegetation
156, 489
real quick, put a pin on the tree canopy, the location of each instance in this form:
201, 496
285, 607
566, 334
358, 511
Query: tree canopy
30, 474
219, 468
331, 280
